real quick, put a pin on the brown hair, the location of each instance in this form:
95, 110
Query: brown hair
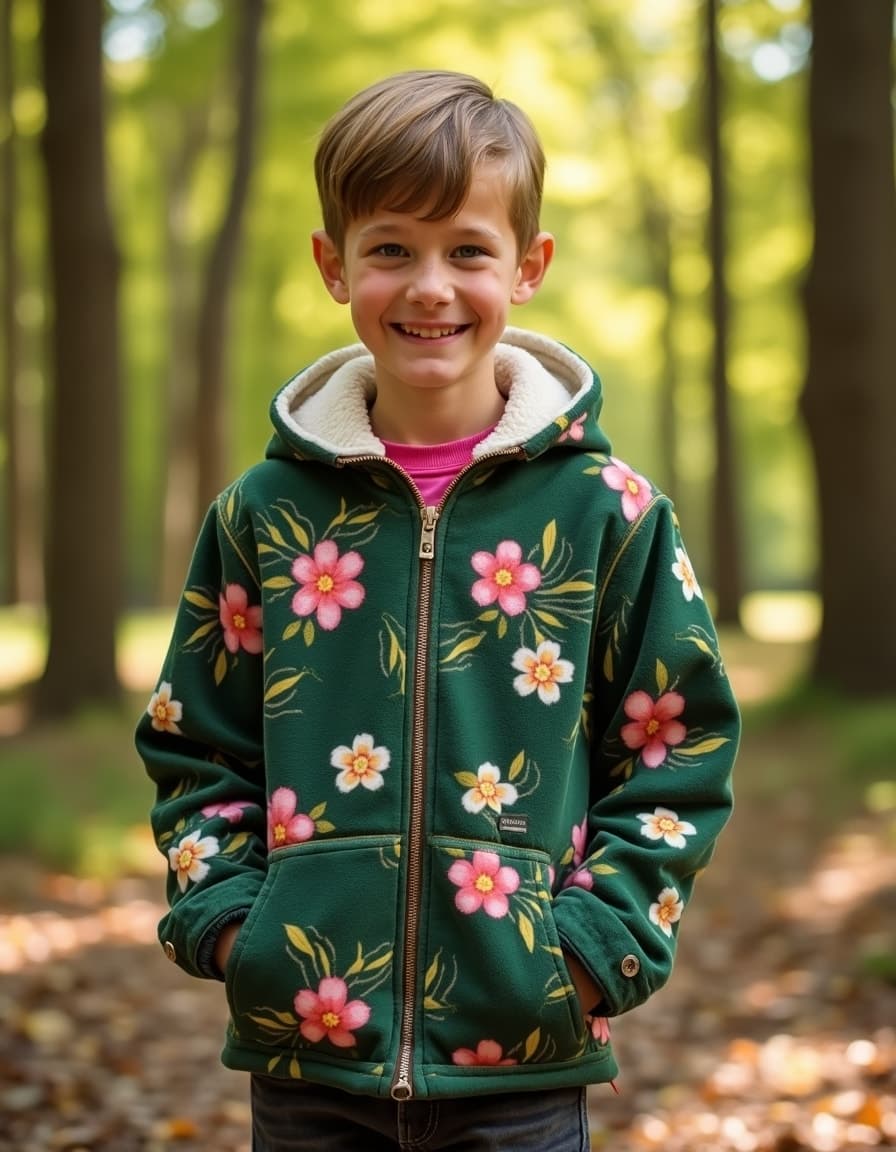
411, 142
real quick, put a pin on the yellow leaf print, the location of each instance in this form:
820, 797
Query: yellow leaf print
704, 747
526, 931
467, 645
281, 686
200, 601
548, 541
200, 632
298, 939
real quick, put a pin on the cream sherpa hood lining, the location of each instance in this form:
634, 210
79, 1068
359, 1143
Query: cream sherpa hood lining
327, 404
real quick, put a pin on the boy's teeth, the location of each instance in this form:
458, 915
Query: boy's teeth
427, 333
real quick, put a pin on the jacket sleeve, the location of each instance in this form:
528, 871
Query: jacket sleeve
664, 730
200, 740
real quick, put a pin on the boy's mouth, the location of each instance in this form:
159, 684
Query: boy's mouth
430, 332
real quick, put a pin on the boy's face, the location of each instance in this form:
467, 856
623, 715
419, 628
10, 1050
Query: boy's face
430, 299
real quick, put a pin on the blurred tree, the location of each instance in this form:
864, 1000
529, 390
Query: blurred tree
849, 398
10, 579
179, 482
213, 334
725, 540
650, 190
85, 503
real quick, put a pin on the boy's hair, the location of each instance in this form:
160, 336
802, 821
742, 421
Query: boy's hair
411, 142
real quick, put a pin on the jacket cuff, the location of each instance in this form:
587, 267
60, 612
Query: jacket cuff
627, 974
205, 953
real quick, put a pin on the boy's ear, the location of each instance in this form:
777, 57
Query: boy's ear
330, 266
533, 267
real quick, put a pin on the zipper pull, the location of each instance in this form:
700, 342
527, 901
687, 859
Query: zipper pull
401, 1089
428, 533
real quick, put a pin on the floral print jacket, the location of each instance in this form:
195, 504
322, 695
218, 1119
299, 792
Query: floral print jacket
423, 752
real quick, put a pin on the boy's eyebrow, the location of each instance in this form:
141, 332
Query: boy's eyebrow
390, 228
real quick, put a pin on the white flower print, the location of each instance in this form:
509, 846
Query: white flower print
489, 791
541, 671
683, 571
187, 858
667, 910
663, 824
164, 710
361, 764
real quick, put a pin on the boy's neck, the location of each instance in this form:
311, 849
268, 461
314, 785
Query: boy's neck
437, 417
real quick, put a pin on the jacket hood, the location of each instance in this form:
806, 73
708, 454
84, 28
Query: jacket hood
553, 396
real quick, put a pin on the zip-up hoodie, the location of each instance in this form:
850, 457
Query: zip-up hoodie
424, 752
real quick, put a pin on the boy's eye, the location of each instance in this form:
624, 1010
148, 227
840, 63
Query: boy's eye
389, 250
469, 251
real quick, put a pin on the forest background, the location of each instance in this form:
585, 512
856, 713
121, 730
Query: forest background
721, 186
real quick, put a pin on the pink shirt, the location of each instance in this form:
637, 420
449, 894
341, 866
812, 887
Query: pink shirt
433, 466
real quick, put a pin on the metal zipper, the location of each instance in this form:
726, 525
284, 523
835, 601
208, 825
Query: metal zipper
402, 1086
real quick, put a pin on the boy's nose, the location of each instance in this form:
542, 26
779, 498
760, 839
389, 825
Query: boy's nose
430, 284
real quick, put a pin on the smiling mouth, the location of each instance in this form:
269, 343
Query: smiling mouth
430, 333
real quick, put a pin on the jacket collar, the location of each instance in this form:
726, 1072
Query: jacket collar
327, 404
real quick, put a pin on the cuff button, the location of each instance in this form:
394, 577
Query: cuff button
169, 950
630, 966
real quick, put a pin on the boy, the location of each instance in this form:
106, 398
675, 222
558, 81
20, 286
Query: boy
443, 735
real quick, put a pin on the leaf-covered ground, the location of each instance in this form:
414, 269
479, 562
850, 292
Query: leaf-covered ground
776, 1033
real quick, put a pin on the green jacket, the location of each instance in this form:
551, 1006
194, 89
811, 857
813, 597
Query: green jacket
473, 737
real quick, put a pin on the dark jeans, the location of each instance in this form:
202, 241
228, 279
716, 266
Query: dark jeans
295, 1116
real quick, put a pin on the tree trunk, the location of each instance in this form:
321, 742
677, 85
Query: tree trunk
849, 399
84, 515
11, 577
725, 544
656, 225
180, 514
211, 428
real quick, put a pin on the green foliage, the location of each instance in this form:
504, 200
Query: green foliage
616, 93
75, 797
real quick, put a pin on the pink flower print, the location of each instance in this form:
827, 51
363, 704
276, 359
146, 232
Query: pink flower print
636, 491
241, 623
542, 670
505, 578
361, 764
654, 728
326, 1015
164, 711
232, 811
581, 878
188, 858
488, 1054
579, 842
285, 824
576, 430
328, 584
667, 910
484, 883
600, 1028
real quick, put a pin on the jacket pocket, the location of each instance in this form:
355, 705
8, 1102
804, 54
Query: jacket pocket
312, 967
497, 989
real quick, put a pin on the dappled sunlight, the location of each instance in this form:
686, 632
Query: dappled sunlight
854, 868
44, 936
781, 616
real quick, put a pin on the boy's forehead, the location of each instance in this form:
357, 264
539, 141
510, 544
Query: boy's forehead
486, 206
